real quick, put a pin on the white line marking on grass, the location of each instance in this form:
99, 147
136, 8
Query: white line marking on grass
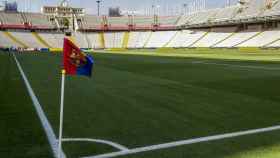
239, 66
185, 142
115, 145
44, 121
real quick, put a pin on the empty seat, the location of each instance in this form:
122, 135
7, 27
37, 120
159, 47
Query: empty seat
27, 38
160, 39
236, 39
6, 41
37, 19
262, 39
138, 39
12, 18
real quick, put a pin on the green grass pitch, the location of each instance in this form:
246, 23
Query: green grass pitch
141, 98
21, 135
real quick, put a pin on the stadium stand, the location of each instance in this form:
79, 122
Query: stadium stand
182, 21
272, 8
263, 39
15, 40
199, 17
94, 40
275, 44
169, 20
27, 38
6, 41
193, 37
203, 17
179, 40
54, 39
38, 19
81, 39
138, 39
159, 39
91, 21
237, 39
252, 23
109, 40
118, 20
214, 36
11, 18
226, 13
113, 39
143, 20
251, 9
118, 39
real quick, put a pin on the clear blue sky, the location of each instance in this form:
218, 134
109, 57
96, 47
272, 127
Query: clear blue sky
90, 5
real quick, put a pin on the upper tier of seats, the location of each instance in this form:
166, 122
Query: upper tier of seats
38, 19
11, 18
17, 18
252, 11
91, 21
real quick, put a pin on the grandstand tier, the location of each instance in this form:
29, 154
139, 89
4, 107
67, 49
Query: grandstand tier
38, 20
251, 12
263, 39
250, 24
114, 39
28, 39
159, 39
5, 41
96, 40
222, 37
215, 36
237, 39
138, 39
11, 18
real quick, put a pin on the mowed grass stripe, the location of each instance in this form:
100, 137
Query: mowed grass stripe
223, 54
142, 100
223, 78
21, 135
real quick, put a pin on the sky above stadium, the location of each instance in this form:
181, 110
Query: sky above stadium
141, 6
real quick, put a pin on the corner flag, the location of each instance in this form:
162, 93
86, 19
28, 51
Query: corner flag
75, 62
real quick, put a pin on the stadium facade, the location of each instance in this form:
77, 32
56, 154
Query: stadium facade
249, 24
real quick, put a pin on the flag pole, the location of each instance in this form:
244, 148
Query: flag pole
59, 152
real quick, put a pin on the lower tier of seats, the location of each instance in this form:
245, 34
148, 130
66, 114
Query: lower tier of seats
219, 38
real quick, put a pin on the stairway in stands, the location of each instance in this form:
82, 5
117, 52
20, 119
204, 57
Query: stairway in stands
14, 39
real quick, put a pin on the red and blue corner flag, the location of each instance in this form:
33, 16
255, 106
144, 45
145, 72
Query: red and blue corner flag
76, 62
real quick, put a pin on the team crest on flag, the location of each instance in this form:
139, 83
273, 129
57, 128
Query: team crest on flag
77, 59
76, 62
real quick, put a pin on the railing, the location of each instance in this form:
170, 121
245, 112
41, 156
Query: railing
129, 28
25, 27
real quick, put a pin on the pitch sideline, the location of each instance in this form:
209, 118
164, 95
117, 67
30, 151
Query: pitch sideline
185, 142
44, 121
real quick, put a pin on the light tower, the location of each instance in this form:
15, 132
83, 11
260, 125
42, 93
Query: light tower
185, 7
98, 7
153, 9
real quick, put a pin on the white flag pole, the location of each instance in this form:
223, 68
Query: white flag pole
61, 114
